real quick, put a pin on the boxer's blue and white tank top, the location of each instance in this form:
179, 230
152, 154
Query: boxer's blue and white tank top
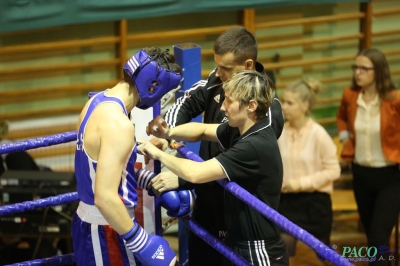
85, 167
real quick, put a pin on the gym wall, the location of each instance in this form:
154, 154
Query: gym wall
46, 72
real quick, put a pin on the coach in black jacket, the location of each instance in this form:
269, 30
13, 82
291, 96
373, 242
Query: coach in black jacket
236, 49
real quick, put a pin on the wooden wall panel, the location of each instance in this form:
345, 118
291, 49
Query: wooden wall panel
48, 72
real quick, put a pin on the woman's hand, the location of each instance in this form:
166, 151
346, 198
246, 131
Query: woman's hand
147, 149
162, 144
164, 181
158, 128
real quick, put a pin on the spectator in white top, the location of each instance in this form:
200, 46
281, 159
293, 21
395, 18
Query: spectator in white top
368, 121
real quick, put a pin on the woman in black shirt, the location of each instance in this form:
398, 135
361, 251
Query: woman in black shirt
251, 159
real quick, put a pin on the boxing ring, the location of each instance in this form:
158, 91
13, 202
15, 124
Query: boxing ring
265, 210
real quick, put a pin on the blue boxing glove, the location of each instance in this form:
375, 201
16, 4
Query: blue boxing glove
186, 204
170, 199
178, 203
149, 249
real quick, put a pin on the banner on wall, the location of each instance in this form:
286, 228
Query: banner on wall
16, 15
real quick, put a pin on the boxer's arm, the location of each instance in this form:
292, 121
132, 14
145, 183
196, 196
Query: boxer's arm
110, 163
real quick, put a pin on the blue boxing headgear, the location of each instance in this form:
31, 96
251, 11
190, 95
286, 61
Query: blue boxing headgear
144, 72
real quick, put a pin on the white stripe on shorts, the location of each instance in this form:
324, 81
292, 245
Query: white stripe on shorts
96, 245
261, 252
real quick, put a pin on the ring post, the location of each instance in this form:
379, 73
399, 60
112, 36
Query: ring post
188, 56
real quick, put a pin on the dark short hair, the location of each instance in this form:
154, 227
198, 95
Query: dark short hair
239, 41
163, 58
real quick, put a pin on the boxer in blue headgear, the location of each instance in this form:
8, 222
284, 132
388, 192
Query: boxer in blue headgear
104, 229
152, 80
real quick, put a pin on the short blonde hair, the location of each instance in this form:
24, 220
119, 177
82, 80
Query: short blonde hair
246, 85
